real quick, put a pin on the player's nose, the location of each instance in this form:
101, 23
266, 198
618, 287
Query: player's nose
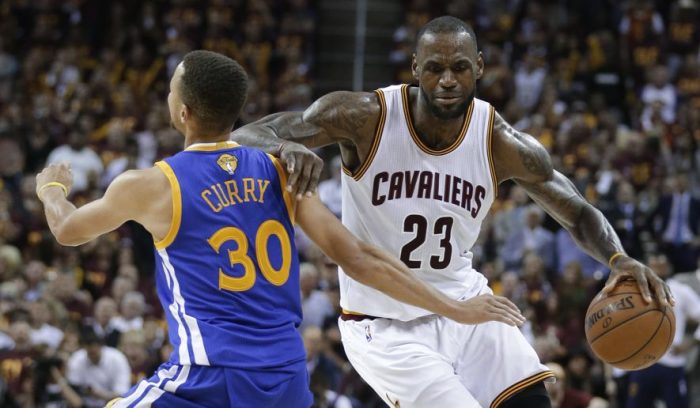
448, 79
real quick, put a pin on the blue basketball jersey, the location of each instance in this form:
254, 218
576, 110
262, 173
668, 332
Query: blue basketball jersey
227, 273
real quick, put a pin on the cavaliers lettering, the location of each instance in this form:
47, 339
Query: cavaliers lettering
428, 185
232, 192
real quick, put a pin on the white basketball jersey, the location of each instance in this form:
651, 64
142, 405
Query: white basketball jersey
424, 206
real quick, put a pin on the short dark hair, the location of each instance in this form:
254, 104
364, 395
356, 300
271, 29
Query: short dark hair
88, 337
215, 88
446, 24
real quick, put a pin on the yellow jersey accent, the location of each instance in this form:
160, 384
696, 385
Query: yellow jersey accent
211, 147
112, 402
177, 206
492, 115
288, 198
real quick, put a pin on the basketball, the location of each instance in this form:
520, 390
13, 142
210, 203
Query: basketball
625, 331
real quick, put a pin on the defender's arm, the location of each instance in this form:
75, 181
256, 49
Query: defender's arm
376, 268
518, 156
341, 117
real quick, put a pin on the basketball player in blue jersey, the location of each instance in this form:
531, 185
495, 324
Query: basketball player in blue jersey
422, 167
227, 271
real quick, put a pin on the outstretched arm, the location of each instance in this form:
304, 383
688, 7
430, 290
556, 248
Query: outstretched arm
348, 118
518, 156
75, 226
376, 268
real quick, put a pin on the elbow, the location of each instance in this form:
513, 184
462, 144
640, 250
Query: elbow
65, 238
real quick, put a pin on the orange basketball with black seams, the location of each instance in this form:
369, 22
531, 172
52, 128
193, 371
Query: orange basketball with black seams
625, 331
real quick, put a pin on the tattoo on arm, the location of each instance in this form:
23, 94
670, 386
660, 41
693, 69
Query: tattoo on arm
348, 113
587, 226
535, 160
532, 161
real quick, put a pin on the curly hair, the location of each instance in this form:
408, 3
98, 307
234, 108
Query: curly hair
215, 88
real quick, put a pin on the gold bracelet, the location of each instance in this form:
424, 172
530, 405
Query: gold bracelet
52, 184
614, 257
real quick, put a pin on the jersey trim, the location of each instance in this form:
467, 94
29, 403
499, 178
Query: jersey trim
177, 205
112, 402
288, 199
489, 149
519, 386
211, 147
414, 135
357, 175
189, 333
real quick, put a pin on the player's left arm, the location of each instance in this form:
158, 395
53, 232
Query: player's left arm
376, 268
74, 226
519, 157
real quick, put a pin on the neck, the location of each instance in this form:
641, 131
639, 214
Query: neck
433, 131
193, 137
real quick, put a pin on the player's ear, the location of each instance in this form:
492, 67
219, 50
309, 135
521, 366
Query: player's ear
185, 113
479, 65
414, 67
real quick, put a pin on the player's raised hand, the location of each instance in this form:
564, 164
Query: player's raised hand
58, 176
303, 166
625, 267
484, 308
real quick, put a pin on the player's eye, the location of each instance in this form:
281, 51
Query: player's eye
434, 68
463, 66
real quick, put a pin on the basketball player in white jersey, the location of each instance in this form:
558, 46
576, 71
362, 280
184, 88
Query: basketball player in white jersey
421, 170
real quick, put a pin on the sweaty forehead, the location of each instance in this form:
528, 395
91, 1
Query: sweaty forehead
446, 46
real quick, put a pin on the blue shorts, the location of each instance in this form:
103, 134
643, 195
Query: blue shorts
658, 382
198, 386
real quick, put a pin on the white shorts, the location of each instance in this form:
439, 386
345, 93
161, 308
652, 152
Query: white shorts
435, 362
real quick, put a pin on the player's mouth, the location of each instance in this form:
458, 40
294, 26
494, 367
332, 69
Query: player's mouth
447, 99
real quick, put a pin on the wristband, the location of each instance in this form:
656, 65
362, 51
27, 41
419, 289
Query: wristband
614, 257
52, 184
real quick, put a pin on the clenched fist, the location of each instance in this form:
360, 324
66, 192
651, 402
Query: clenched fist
54, 173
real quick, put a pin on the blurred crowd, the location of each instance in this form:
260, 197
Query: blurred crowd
612, 89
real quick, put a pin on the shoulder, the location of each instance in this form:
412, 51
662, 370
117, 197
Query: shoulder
518, 155
136, 182
344, 110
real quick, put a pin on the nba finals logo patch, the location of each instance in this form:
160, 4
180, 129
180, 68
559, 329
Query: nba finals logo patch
228, 163
368, 334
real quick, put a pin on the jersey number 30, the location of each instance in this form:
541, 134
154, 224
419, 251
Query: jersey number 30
419, 224
277, 277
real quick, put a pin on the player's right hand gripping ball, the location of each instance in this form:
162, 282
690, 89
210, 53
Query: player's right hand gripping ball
626, 332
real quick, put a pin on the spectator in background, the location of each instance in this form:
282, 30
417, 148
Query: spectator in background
531, 238
131, 313
658, 94
329, 190
42, 331
102, 321
85, 163
677, 221
529, 80
625, 217
16, 364
317, 363
99, 373
563, 396
315, 305
133, 345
